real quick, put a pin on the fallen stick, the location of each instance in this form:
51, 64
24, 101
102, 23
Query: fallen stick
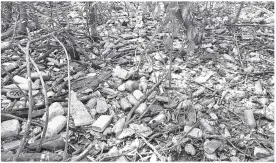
143, 99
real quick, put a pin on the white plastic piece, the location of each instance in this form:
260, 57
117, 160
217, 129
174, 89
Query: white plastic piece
101, 123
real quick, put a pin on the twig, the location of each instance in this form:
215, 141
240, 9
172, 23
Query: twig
10, 76
151, 40
240, 150
80, 156
152, 147
238, 49
238, 13
46, 105
141, 116
19, 118
69, 99
143, 99
24, 139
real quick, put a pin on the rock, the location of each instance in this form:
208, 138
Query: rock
119, 125
206, 125
211, 156
10, 128
125, 104
126, 132
113, 151
162, 99
235, 159
195, 133
141, 129
120, 72
132, 99
131, 85
270, 111
141, 109
258, 88
158, 119
261, 152
79, 113
91, 103
211, 146
55, 125
213, 116
102, 106
122, 87
55, 109
138, 94
107, 131
190, 149
101, 123
199, 91
122, 159
11, 145
143, 84
20, 80
155, 108
249, 118
128, 36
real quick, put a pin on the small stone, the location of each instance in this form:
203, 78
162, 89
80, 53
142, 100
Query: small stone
226, 133
113, 151
195, 133
211, 156
141, 129
126, 132
120, 72
119, 125
235, 159
122, 159
261, 152
91, 103
213, 116
79, 113
107, 131
10, 128
101, 123
55, 125
162, 99
190, 149
122, 87
125, 104
128, 85
138, 94
11, 145
141, 109
211, 146
132, 99
54, 110
102, 106
233, 152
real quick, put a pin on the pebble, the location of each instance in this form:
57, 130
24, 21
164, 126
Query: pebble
125, 104
138, 94
91, 103
195, 133
55, 109
101, 106
261, 152
132, 99
55, 125
101, 123
79, 113
11, 145
10, 128
190, 149
211, 146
